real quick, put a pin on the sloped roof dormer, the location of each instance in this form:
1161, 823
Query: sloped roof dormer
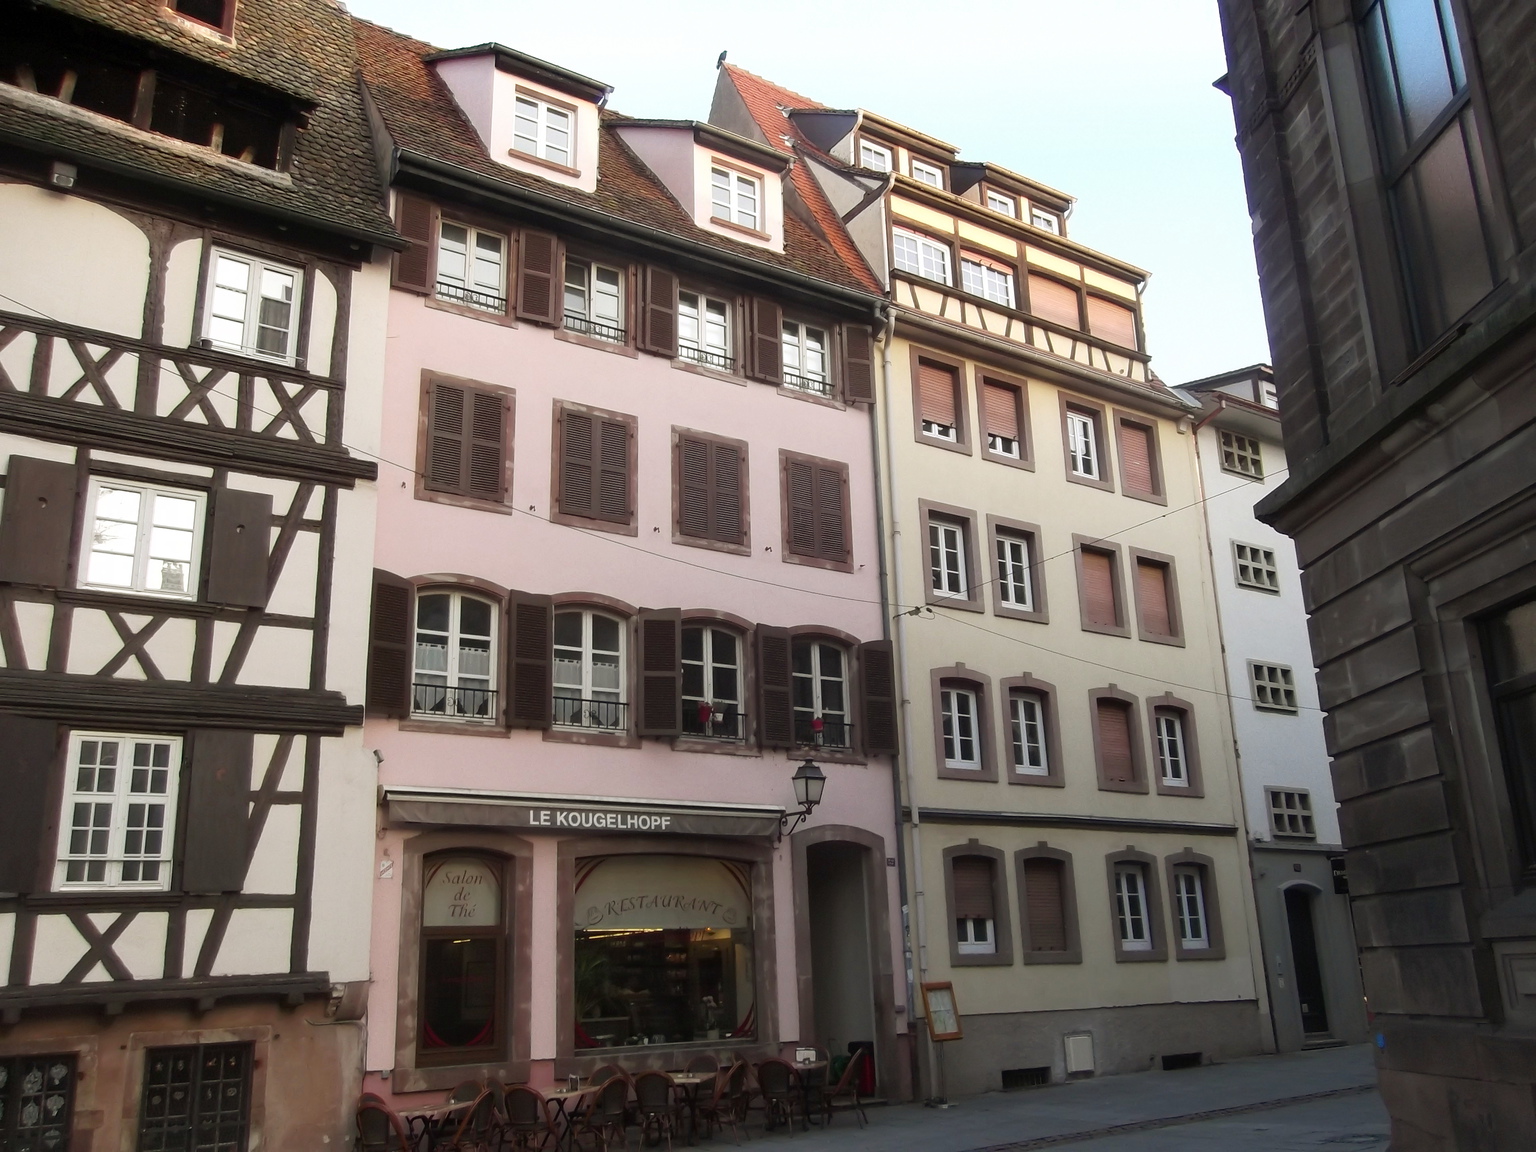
531, 115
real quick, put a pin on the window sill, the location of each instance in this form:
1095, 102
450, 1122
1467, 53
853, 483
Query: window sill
1023, 462
1089, 482
504, 319
1074, 956
1182, 954
1242, 475
596, 344
593, 736
713, 373
454, 727
716, 747
455, 500
741, 229
959, 603
789, 557
552, 165
1154, 638
1007, 613
1139, 787
829, 755
744, 549
984, 774
1184, 791
136, 602
794, 393
961, 445
1121, 630
591, 522
139, 598
1032, 780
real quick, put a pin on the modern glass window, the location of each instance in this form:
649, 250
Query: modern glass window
143, 538
874, 156
1290, 813
463, 959
118, 820
196, 1097
1131, 918
1049, 221
704, 330
975, 936
820, 691
1255, 567
541, 129
472, 267
455, 674
1007, 205
1172, 757
1189, 908
1274, 688
1083, 446
1242, 455
1015, 586
806, 366
1026, 726
735, 198
594, 300
985, 279
37, 1095
1510, 658
921, 256
253, 307
930, 174
958, 714
712, 660
589, 671
947, 559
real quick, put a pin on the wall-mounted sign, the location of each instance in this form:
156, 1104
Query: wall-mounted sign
460, 892
580, 817
662, 892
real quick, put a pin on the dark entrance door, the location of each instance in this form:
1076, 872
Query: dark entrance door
1304, 966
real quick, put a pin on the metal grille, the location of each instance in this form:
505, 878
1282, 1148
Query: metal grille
707, 358
820, 386
574, 712
822, 731
485, 301
196, 1099
712, 718
36, 1097
443, 700
579, 323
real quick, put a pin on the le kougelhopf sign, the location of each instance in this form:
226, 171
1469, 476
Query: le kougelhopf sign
578, 817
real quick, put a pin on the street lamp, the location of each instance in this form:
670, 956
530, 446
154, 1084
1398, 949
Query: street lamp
809, 781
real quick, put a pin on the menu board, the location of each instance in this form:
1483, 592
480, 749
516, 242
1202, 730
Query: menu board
940, 1009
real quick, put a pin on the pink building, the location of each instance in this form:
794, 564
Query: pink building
628, 579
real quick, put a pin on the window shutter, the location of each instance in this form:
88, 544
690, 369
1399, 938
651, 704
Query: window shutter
415, 269
613, 471
1045, 904
529, 660
538, 263
767, 360
237, 554
775, 687
661, 673
1136, 459
858, 344
446, 405
578, 469
831, 515
486, 432
727, 524
1002, 407
1052, 300
936, 389
217, 839
658, 327
1115, 742
389, 646
38, 521
972, 876
27, 831
800, 481
693, 487
1114, 322
877, 684
1156, 611
1099, 588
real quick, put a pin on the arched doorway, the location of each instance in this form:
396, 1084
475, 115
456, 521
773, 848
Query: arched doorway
1306, 969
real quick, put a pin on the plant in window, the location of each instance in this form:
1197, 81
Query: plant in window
820, 695
712, 683
589, 671
455, 643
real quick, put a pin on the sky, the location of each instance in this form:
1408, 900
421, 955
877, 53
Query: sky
1109, 101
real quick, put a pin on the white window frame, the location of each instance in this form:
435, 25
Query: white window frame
144, 541
472, 290
926, 173
710, 318
985, 279
869, 150
221, 298
1026, 730
1290, 813
975, 936
947, 572
117, 821
1006, 205
800, 353
921, 255
540, 144
1255, 567
1273, 686
598, 283
1045, 221
818, 679
1189, 907
735, 198
1083, 446
592, 708
1241, 455
960, 728
1133, 920
1015, 580
1172, 747
455, 679
708, 664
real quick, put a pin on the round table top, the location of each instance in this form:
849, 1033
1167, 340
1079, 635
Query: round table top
568, 1093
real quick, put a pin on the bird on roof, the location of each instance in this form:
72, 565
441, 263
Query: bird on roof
720, 62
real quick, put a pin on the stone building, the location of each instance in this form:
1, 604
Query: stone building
1392, 184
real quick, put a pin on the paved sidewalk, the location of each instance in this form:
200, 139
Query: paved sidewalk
1337, 1110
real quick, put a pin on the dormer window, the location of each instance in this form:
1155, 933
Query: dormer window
214, 13
471, 267
1049, 221
874, 156
735, 198
1007, 205
929, 174
543, 130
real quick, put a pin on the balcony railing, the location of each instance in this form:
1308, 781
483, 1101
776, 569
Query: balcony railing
447, 700
707, 358
823, 731
713, 720
818, 386
459, 294
612, 333
602, 715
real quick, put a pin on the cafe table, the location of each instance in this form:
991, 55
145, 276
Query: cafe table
809, 1066
564, 1120
431, 1118
689, 1084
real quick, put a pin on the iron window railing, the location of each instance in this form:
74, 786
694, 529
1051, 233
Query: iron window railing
428, 699
823, 731
605, 715
713, 720
588, 327
458, 294
820, 386
707, 358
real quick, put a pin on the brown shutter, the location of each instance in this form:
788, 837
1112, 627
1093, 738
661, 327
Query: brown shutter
972, 876
1052, 300
661, 673
727, 524
766, 363
578, 469
936, 390
1045, 904
1001, 402
775, 688
1152, 592
1113, 322
858, 345
485, 429
1115, 742
538, 264
658, 324
530, 660
1136, 459
800, 483
217, 823
389, 646
831, 515
38, 521
415, 269
1099, 588
693, 487
27, 834
237, 554
613, 470
877, 685
446, 405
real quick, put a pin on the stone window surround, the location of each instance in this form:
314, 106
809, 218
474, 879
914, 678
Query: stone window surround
1156, 928
962, 440
1117, 574
975, 571
1196, 787
1074, 949
1026, 458
1217, 950
1100, 415
1175, 610
422, 492
1138, 751
1001, 525
960, 676
1054, 777
1159, 493
1002, 930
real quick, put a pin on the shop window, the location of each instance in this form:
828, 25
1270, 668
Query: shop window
463, 961
820, 694
253, 307
712, 683
143, 538
196, 1097
472, 267
589, 666
455, 674
37, 1098
677, 968
117, 825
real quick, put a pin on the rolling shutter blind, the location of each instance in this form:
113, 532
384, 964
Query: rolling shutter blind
658, 327
415, 269
1113, 322
1136, 459
877, 685
709, 490
465, 441
238, 551
217, 839
389, 646
1099, 589
972, 877
766, 363
1045, 905
1152, 588
38, 521
538, 264
661, 673
936, 392
529, 660
1002, 406
1115, 741
26, 774
775, 707
1052, 300
858, 345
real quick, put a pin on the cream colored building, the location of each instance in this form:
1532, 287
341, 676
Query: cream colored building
1074, 842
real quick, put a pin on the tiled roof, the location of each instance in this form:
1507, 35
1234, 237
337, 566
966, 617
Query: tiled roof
422, 117
302, 47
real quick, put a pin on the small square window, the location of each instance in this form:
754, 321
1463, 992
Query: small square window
876, 157
543, 130
735, 198
1256, 567
704, 331
1274, 688
974, 936
471, 267
929, 174
1048, 221
253, 307
37, 1096
594, 300
143, 538
1290, 813
1242, 455
118, 820
806, 366
1007, 205
197, 1095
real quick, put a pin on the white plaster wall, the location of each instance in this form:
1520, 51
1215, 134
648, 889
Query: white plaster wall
181, 271
141, 947
340, 902
57, 947
294, 594
670, 154
322, 325
257, 940
274, 864
34, 622
278, 657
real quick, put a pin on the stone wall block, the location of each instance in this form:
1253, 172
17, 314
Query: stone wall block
1396, 814
1424, 862
1428, 981
1432, 916
1382, 713
1406, 757
1368, 668
1359, 616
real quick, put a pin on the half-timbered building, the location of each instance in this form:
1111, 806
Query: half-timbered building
190, 342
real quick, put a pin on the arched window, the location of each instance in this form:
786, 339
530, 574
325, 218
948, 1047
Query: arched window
455, 670
463, 960
589, 670
821, 694
712, 682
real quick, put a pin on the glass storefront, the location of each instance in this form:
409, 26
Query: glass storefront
463, 956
